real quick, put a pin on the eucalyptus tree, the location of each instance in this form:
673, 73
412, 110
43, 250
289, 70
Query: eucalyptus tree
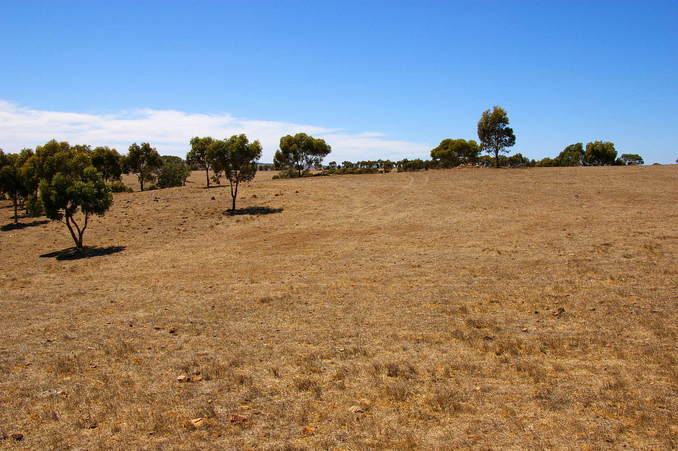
494, 133
142, 160
198, 154
300, 152
236, 157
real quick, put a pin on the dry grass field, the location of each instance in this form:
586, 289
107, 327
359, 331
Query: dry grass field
467, 308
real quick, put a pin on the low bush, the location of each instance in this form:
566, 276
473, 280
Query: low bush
119, 187
33, 206
294, 174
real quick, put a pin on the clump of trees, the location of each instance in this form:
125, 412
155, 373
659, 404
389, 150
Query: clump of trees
631, 159
455, 152
13, 181
596, 153
300, 152
60, 180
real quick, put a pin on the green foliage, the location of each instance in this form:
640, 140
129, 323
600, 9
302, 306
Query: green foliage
33, 206
519, 161
454, 152
173, 172
12, 181
599, 153
119, 187
418, 164
572, 155
631, 159
236, 158
142, 160
290, 174
66, 194
494, 133
546, 162
351, 170
198, 155
108, 162
300, 152
58, 157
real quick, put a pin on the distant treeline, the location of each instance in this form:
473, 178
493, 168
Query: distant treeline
59, 180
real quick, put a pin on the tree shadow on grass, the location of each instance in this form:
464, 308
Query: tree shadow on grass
22, 225
253, 211
73, 253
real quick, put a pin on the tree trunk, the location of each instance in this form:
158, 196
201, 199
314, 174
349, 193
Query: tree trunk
234, 194
77, 239
70, 229
141, 181
16, 208
496, 157
207, 175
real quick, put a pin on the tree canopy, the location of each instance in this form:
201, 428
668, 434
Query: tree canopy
631, 159
13, 181
494, 133
198, 154
453, 152
300, 152
599, 153
108, 162
572, 155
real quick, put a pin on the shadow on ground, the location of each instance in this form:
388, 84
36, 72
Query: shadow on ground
73, 253
253, 211
22, 225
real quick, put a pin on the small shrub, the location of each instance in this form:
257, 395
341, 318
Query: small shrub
173, 174
119, 187
289, 174
34, 206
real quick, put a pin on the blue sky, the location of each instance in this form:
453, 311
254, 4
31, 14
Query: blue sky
375, 78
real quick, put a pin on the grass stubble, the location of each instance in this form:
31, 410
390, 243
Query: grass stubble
469, 308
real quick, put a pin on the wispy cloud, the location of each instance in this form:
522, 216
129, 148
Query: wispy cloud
170, 131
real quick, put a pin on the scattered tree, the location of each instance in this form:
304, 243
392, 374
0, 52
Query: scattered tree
142, 160
65, 194
300, 152
198, 155
494, 133
236, 157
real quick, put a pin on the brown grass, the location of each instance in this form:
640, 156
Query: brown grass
485, 308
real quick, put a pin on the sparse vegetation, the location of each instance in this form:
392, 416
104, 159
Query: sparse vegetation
352, 325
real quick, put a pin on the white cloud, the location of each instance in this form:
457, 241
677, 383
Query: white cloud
170, 131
